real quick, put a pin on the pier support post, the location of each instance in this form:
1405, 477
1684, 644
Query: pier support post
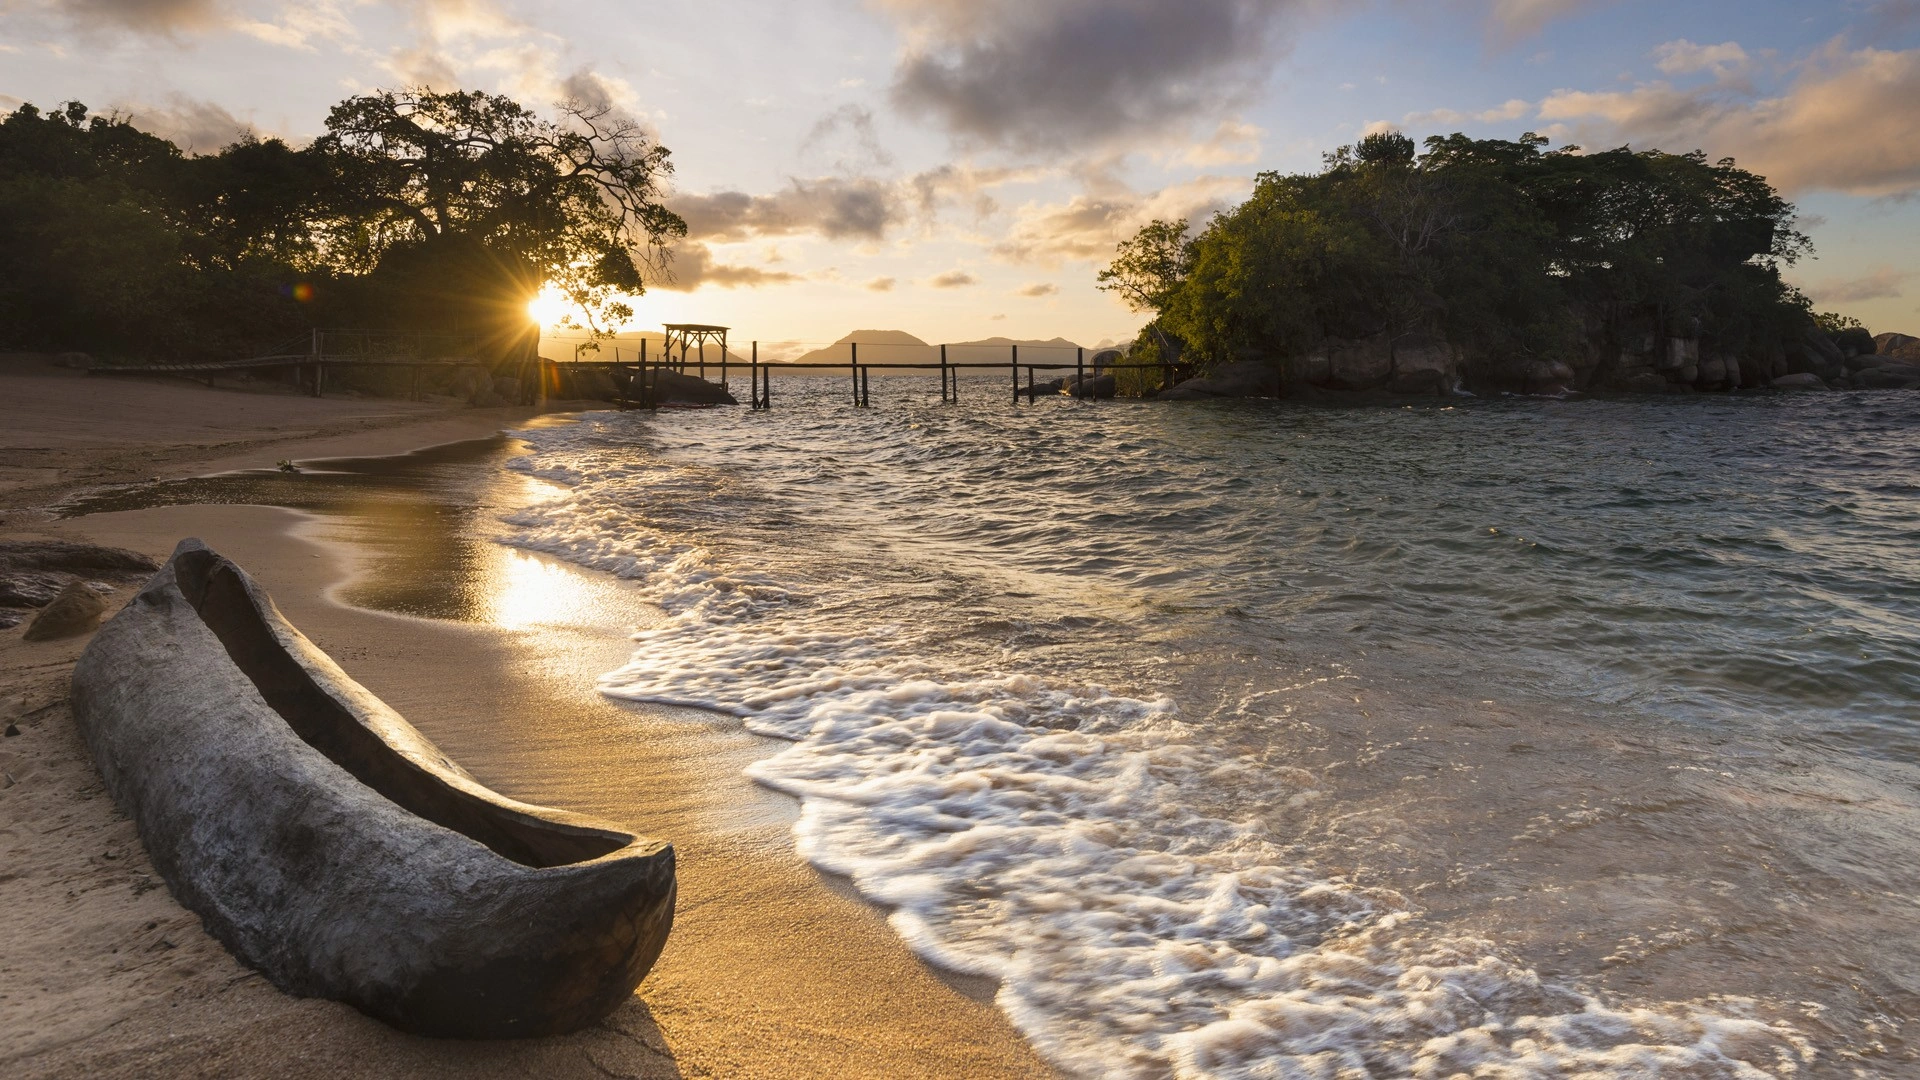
1015, 362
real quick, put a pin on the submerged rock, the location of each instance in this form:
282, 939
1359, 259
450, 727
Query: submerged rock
1799, 380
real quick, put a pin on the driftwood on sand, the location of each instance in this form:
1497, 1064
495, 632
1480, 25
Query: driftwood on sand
327, 843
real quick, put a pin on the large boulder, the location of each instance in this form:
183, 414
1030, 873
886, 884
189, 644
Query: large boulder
1092, 386
1365, 364
1549, 377
1046, 388
1889, 377
1681, 353
1899, 346
675, 388
1312, 369
1424, 365
1855, 341
1105, 358
1645, 382
1242, 379
1799, 380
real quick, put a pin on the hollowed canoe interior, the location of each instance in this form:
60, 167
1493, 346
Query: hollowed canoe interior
217, 591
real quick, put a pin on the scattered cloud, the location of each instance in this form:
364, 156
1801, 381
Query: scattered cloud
146, 16
1087, 226
197, 127
953, 279
881, 284
694, 266
1512, 20
1039, 288
1234, 142
1077, 74
1509, 111
847, 132
1883, 283
834, 207
1683, 57
1846, 123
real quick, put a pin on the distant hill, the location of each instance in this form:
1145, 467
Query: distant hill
900, 347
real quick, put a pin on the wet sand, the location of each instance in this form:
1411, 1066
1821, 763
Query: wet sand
772, 971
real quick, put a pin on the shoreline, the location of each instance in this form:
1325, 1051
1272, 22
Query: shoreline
773, 968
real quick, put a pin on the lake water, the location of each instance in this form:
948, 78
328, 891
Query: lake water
1505, 738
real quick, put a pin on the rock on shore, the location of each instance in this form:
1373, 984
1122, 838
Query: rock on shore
1629, 357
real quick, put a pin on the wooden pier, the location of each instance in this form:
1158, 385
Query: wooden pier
634, 379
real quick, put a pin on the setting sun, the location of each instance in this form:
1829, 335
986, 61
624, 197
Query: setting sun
550, 308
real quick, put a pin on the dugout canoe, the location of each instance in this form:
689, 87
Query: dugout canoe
331, 846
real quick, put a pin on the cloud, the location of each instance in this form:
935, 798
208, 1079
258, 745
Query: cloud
1847, 122
1883, 283
1512, 20
1234, 142
834, 207
1075, 74
196, 127
1088, 226
150, 16
1683, 57
1039, 288
1511, 110
954, 279
694, 266
850, 127
880, 284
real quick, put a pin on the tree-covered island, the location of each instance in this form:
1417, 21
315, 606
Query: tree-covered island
1489, 265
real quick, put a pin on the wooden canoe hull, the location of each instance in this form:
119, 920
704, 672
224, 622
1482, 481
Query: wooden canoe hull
331, 846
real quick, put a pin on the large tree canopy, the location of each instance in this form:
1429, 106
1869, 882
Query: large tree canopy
1506, 248
486, 194
416, 210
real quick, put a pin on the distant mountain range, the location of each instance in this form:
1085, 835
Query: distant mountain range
900, 347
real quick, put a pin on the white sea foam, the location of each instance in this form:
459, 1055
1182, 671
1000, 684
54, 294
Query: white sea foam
1051, 836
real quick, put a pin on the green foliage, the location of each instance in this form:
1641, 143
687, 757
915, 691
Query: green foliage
416, 210
1506, 248
1834, 323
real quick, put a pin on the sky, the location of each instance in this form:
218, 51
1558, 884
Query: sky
962, 168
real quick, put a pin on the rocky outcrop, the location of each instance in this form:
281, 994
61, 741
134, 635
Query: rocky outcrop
1423, 365
1897, 346
1243, 379
1092, 386
1897, 375
1365, 364
675, 388
1803, 380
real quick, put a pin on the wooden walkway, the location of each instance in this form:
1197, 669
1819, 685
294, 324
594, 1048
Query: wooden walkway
633, 386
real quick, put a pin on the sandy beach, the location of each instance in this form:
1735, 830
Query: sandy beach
773, 969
